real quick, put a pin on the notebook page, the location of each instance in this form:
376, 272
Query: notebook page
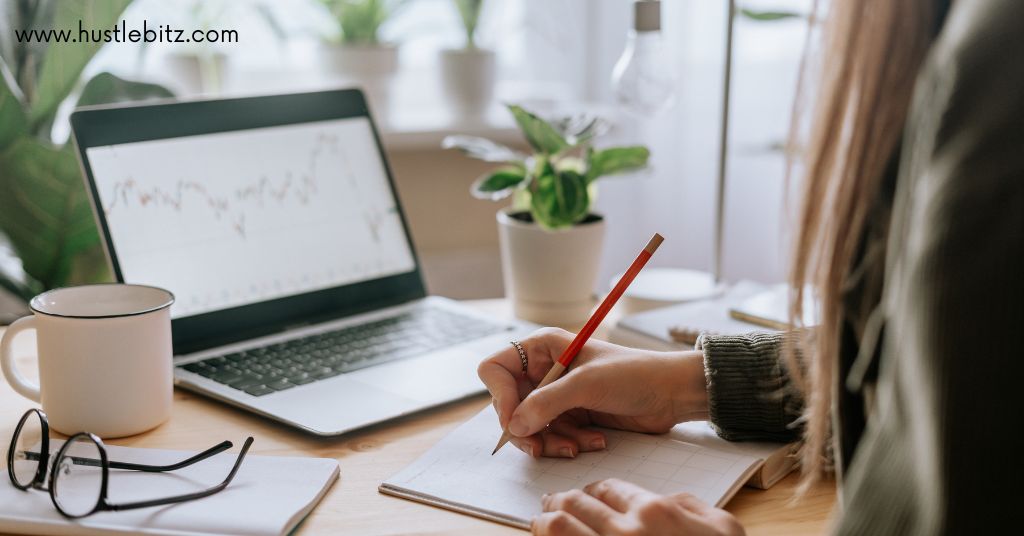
459, 472
268, 496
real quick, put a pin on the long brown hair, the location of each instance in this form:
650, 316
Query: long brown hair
862, 82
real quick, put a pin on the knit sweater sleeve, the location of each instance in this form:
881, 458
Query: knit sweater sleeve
750, 395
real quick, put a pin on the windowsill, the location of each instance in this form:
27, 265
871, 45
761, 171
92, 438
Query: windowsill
416, 114
419, 128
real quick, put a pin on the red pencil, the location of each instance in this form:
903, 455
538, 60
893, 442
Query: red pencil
588, 329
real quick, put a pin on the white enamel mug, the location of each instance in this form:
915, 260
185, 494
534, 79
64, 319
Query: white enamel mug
104, 354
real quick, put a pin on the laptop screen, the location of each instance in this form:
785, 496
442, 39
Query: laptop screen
233, 218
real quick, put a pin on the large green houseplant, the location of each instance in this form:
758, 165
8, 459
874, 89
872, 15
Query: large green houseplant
550, 240
44, 210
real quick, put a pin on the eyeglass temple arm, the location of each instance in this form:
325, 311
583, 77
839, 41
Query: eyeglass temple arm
212, 451
190, 496
92, 462
216, 449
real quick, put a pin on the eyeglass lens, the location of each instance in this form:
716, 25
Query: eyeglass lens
76, 486
26, 450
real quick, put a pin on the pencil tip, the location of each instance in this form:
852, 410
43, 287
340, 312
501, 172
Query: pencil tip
656, 241
495, 451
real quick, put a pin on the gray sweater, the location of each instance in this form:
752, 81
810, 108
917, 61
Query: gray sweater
929, 403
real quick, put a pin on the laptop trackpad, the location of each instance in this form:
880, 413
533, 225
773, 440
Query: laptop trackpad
337, 404
438, 377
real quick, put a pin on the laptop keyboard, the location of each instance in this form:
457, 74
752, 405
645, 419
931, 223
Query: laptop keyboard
288, 364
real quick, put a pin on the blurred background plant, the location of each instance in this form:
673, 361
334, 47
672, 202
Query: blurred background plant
44, 212
468, 72
359, 22
469, 14
768, 15
357, 51
201, 67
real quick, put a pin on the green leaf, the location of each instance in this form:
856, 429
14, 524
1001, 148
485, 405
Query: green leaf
498, 184
769, 16
521, 199
24, 56
581, 127
538, 132
482, 149
63, 62
616, 160
13, 122
559, 200
359, 21
106, 88
45, 212
469, 12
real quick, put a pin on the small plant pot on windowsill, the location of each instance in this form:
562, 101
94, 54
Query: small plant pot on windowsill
468, 77
196, 73
371, 67
550, 275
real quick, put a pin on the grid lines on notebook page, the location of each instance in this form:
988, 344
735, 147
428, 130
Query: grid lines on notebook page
459, 472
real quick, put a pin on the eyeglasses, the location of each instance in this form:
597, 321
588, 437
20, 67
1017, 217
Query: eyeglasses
78, 478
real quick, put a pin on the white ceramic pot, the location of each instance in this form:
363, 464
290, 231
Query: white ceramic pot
371, 67
468, 78
550, 275
196, 73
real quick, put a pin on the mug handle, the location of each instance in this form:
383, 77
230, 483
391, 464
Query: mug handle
17, 381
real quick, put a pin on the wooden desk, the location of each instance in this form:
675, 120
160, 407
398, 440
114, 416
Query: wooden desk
353, 505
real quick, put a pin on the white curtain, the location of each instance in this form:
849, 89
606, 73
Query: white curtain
580, 40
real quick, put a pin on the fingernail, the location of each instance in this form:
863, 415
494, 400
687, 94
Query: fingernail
597, 444
566, 452
517, 427
533, 452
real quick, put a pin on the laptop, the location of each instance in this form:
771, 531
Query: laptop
274, 221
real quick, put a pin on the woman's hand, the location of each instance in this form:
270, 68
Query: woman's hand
616, 507
606, 385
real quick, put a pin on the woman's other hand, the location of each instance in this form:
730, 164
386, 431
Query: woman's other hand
614, 507
606, 385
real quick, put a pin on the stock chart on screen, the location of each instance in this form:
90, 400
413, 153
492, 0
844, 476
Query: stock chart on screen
232, 218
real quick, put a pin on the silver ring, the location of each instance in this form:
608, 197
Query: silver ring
522, 354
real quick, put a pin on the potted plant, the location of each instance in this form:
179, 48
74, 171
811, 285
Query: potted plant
44, 209
550, 240
202, 67
467, 72
196, 68
356, 51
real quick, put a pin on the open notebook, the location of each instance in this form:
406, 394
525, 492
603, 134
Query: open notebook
676, 327
460, 474
269, 496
